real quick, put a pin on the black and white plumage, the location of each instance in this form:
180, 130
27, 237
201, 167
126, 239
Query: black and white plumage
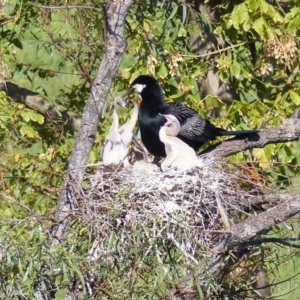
195, 131
179, 154
115, 148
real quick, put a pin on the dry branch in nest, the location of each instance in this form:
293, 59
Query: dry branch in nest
189, 211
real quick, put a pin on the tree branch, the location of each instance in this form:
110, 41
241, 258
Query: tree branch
244, 231
115, 13
241, 233
289, 131
66, 7
40, 104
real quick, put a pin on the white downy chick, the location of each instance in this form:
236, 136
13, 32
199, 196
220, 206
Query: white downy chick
179, 155
114, 150
117, 141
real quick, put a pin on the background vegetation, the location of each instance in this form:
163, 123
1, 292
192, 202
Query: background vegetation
56, 53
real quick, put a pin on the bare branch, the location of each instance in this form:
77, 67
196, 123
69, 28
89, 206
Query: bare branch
36, 102
284, 241
289, 131
219, 51
66, 7
264, 222
242, 232
115, 13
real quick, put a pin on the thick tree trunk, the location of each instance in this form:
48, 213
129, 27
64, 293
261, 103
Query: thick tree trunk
115, 13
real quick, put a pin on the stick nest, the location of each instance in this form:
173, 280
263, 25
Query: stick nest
156, 211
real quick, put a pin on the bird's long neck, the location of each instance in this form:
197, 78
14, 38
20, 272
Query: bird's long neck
153, 99
131, 123
163, 135
115, 123
113, 131
166, 138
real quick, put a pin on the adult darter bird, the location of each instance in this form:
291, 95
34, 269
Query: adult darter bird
195, 131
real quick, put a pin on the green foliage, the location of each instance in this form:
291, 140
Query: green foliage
283, 262
56, 52
31, 170
29, 150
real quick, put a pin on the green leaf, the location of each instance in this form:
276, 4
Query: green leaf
25, 115
235, 69
36, 149
181, 31
162, 71
26, 130
176, 96
174, 11
39, 118
29, 115
264, 7
247, 26
127, 61
295, 97
175, 31
184, 14
260, 155
61, 294
253, 5
258, 26
277, 17
218, 30
213, 102
94, 156
192, 28
239, 15
77, 271
284, 154
263, 29
8, 7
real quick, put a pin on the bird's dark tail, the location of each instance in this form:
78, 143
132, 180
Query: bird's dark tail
238, 132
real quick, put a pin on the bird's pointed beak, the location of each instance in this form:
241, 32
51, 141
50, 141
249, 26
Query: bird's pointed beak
139, 100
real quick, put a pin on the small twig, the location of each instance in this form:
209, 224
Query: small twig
217, 51
222, 213
66, 7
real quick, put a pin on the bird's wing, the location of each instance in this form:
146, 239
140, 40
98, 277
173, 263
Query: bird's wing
113, 153
193, 126
197, 128
180, 111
